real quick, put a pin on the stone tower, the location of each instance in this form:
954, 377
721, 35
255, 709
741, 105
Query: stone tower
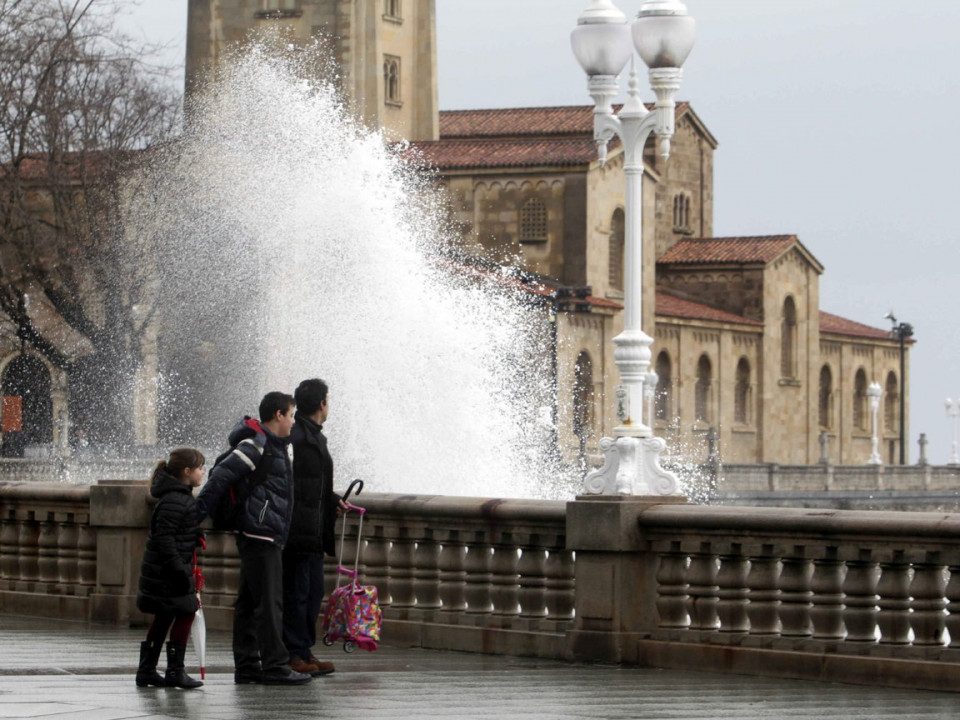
386, 50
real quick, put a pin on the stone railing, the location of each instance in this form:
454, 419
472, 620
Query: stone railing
451, 573
48, 561
827, 478
869, 597
866, 597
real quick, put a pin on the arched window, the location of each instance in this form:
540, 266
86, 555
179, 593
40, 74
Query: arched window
583, 400
663, 400
860, 413
742, 393
702, 389
788, 339
27, 405
891, 403
391, 79
826, 397
617, 246
533, 220
681, 212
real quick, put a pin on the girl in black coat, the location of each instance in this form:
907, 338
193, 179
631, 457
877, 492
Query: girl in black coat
167, 588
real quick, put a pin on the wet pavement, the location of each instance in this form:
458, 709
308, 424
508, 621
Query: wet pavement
59, 670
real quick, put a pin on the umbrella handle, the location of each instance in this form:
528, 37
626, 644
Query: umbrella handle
350, 488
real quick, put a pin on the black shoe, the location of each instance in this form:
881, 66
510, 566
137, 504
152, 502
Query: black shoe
285, 676
248, 677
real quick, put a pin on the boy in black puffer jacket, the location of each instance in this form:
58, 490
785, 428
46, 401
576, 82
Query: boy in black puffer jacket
167, 588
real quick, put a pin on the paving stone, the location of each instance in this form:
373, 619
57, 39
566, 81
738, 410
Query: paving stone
57, 670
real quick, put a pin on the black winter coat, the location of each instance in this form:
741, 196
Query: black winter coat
314, 503
166, 575
269, 507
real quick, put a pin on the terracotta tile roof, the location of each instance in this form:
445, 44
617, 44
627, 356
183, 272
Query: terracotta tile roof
513, 122
513, 152
759, 249
837, 325
512, 137
672, 306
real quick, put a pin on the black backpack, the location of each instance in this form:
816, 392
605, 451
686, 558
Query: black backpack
228, 514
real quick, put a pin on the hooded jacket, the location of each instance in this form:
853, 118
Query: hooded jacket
268, 509
166, 574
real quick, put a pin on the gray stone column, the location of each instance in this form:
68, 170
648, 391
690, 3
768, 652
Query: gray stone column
120, 517
615, 576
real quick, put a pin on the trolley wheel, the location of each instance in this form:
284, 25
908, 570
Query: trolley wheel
327, 641
349, 646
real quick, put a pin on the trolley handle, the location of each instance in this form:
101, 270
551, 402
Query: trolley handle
346, 571
351, 506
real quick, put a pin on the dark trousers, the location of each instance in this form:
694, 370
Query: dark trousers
162, 622
258, 612
302, 598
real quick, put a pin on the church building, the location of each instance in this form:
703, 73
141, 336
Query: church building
741, 346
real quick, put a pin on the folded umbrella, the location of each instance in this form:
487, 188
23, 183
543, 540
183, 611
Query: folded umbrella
198, 631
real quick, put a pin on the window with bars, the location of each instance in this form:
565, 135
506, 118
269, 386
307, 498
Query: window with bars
742, 393
860, 400
826, 397
533, 220
702, 389
681, 212
788, 340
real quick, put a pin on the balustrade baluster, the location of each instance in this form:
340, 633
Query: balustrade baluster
672, 588
426, 572
452, 575
560, 585
532, 568
928, 590
87, 557
401, 570
953, 606
9, 551
68, 555
702, 590
827, 585
47, 551
376, 556
860, 598
764, 597
796, 575
29, 542
893, 618
732, 591
504, 578
477, 567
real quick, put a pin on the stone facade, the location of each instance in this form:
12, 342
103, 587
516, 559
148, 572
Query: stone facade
385, 50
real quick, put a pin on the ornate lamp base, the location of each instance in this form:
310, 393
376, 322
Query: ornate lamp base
631, 466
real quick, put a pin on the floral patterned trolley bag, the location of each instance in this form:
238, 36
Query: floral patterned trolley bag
353, 612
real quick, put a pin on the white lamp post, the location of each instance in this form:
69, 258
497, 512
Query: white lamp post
663, 35
953, 412
874, 392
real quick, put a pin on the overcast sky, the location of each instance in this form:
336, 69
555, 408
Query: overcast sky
837, 122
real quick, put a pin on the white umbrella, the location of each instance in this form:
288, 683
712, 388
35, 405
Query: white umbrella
198, 631
198, 635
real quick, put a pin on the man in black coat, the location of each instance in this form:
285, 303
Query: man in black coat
315, 508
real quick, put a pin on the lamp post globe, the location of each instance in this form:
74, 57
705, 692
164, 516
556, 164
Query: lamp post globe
663, 33
601, 40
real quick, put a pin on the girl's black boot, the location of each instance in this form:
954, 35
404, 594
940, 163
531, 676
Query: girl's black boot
176, 676
147, 675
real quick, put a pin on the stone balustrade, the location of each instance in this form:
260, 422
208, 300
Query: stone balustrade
869, 597
821, 594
